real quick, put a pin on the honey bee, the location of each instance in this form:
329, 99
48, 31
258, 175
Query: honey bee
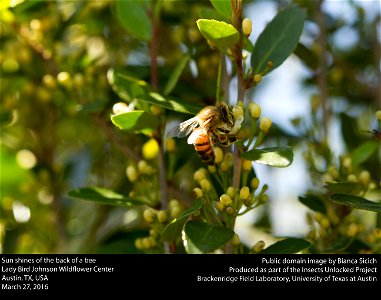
212, 125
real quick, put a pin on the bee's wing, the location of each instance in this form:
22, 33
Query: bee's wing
183, 129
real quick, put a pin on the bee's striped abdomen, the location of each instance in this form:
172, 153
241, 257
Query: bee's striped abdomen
204, 149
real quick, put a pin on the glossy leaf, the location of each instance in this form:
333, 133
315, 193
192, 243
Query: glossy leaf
132, 15
223, 35
173, 230
176, 73
278, 40
357, 202
104, 196
275, 157
203, 238
223, 6
137, 120
287, 246
314, 203
129, 88
363, 152
176, 105
343, 187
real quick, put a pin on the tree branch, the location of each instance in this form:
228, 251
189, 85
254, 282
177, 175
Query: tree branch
322, 76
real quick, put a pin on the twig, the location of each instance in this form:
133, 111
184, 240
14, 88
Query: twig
322, 76
241, 86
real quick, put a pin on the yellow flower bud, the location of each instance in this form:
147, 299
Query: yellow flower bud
246, 26
236, 240
237, 112
139, 244
231, 192
152, 242
146, 242
265, 124
150, 149
131, 173
254, 183
64, 79
347, 162
255, 110
212, 169
143, 167
199, 175
352, 230
226, 200
162, 216
258, 247
244, 193
170, 145
229, 210
352, 178
219, 206
197, 193
378, 115
219, 155
264, 198
205, 184
246, 165
156, 110
325, 223
49, 81
333, 172
148, 215
224, 166
257, 78
175, 211
174, 202
153, 233
318, 217
364, 177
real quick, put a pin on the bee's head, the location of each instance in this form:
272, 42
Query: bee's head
226, 114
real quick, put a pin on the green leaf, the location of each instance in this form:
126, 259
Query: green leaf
314, 203
137, 120
279, 157
339, 245
132, 15
175, 75
287, 246
104, 196
173, 230
223, 6
223, 35
363, 152
211, 13
129, 88
176, 105
356, 202
278, 39
343, 187
204, 238
126, 86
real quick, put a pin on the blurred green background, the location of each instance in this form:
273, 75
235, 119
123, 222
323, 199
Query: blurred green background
56, 102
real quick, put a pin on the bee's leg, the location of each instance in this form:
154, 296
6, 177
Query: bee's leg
223, 140
232, 139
